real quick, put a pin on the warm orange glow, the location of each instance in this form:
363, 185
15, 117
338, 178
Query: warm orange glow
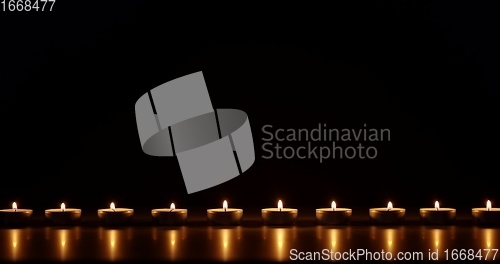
280, 205
437, 234
334, 206
389, 206
488, 237
63, 207
224, 205
390, 237
280, 235
14, 206
112, 206
334, 236
488, 205
172, 207
436, 205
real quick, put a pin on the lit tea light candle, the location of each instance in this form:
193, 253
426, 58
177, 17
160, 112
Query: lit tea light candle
169, 216
333, 215
389, 215
15, 216
224, 215
486, 216
115, 216
280, 215
63, 216
437, 215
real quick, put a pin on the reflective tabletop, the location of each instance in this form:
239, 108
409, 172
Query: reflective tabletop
248, 242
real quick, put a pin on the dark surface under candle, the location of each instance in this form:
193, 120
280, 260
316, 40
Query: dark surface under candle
197, 241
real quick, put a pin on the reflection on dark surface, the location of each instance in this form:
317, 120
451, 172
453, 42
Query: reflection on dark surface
171, 241
277, 242
336, 239
225, 242
235, 243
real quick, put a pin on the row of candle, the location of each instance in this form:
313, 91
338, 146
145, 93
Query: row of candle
270, 216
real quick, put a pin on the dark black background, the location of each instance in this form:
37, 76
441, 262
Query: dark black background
426, 70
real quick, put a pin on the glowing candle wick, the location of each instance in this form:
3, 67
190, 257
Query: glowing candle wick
224, 205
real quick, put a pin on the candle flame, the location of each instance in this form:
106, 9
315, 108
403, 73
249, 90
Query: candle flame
224, 205
280, 205
63, 207
112, 207
14, 206
488, 205
172, 207
334, 206
436, 205
389, 206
